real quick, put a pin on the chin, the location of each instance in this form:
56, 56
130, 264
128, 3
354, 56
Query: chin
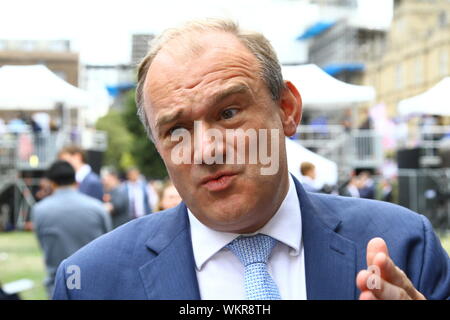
229, 216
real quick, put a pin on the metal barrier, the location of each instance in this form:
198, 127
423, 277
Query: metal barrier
430, 140
30, 151
26, 151
364, 149
427, 191
349, 149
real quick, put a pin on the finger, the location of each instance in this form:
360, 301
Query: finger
375, 246
394, 275
387, 291
361, 280
367, 295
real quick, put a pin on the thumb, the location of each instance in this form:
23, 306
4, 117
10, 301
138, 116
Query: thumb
376, 245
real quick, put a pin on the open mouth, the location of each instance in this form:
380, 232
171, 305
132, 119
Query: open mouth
219, 182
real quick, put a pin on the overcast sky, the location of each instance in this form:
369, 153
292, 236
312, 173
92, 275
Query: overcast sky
101, 29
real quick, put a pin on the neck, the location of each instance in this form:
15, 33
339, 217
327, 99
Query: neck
66, 187
78, 166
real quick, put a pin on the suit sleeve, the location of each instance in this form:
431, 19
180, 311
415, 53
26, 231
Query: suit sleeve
96, 190
106, 219
435, 275
60, 291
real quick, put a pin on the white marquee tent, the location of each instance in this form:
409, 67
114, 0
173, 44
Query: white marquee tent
435, 101
35, 87
326, 170
322, 91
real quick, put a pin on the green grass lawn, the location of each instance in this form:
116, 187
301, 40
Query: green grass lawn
446, 243
21, 257
24, 260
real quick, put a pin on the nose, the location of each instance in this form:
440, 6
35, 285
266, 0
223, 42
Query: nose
208, 144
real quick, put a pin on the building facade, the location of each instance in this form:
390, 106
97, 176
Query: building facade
55, 54
417, 52
140, 47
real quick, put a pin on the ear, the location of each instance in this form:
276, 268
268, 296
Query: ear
53, 186
290, 109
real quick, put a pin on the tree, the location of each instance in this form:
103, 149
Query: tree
120, 140
142, 149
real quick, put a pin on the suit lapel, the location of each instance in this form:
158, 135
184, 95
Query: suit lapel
330, 259
171, 273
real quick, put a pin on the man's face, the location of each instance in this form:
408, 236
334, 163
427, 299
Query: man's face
312, 173
109, 181
216, 84
133, 175
170, 198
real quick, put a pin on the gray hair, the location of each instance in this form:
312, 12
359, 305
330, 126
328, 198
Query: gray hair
270, 69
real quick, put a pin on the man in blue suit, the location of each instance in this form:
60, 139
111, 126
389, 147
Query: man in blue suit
246, 230
138, 198
88, 181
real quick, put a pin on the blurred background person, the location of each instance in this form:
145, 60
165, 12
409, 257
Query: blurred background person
3, 128
115, 197
154, 188
138, 198
308, 171
169, 197
66, 220
386, 191
18, 124
366, 185
45, 189
352, 187
88, 181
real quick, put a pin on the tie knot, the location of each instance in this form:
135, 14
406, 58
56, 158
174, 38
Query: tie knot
252, 249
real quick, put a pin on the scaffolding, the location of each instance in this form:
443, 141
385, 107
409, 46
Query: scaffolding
349, 149
26, 152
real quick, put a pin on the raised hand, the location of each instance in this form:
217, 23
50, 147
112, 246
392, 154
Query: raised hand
388, 282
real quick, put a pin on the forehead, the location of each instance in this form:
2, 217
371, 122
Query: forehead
198, 64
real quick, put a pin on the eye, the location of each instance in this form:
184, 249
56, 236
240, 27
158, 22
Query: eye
228, 113
173, 129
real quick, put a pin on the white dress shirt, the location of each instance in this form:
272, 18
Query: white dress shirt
136, 197
220, 274
82, 173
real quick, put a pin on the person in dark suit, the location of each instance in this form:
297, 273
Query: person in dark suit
89, 182
115, 198
138, 198
367, 189
247, 221
66, 220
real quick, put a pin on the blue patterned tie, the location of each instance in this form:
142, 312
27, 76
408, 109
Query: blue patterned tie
254, 252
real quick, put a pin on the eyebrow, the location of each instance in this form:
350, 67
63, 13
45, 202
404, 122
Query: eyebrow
222, 95
216, 98
168, 118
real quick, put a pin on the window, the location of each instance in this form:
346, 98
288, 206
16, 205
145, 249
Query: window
443, 62
419, 70
399, 76
442, 19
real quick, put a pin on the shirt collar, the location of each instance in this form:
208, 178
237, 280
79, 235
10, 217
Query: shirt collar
68, 189
82, 173
285, 226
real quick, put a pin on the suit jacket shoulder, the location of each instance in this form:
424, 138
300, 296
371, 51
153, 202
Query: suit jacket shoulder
410, 238
92, 186
119, 255
151, 257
